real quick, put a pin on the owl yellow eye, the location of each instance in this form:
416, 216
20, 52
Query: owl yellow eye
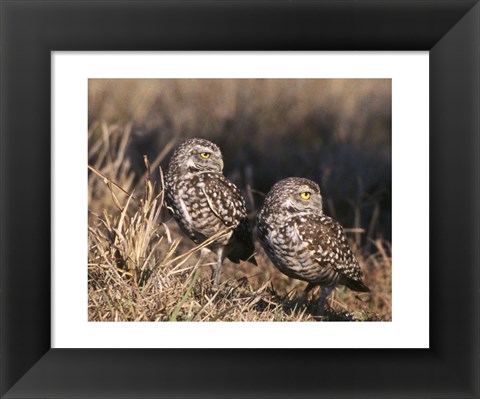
306, 195
205, 155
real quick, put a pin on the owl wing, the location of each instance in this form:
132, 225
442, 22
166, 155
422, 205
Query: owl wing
225, 200
227, 203
328, 245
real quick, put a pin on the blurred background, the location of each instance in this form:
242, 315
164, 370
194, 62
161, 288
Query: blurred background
336, 132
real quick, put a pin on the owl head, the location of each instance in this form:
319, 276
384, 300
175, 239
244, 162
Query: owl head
197, 155
295, 195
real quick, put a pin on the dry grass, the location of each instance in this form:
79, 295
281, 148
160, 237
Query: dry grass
141, 268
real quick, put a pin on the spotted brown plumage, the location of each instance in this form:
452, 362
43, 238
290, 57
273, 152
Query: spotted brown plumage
204, 202
302, 242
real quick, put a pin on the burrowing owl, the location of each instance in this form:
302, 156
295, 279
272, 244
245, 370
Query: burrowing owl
204, 202
302, 242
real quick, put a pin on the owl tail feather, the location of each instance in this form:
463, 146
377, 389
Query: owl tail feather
358, 286
235, 258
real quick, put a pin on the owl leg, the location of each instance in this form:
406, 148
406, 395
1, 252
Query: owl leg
203, 254
308, 288
217, 267
324, 293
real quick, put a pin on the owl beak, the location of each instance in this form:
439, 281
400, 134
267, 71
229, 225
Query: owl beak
220, 162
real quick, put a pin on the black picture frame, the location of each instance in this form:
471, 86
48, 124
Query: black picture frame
449, 30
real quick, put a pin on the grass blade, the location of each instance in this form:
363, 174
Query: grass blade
185, 296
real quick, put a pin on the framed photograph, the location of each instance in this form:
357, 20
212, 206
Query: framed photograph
192, 192
326, 117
